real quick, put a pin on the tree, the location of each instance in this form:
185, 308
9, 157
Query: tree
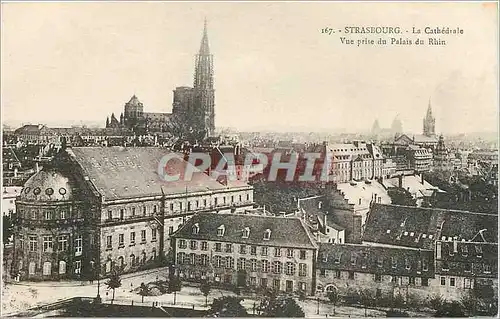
228, 306
114, 282
174, 286
143, 291
205, 290
8, 229
283, 307
367, 299
436, 302
450, 310
400, 196
334, 297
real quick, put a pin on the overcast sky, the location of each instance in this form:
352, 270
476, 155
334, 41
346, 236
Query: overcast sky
63, 63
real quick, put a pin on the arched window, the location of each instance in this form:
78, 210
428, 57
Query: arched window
180, 258
230, 262
47, 268
62, 267
132, 260
31, 268
154, 254
143, 257
241, 264
121, 262
108, 266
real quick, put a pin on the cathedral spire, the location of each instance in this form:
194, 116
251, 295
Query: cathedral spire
204, 48
429, 109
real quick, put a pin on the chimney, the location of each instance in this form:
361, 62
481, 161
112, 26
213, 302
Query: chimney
15, 171
455, 245
400, 180
422, 178
438, 250
37, 167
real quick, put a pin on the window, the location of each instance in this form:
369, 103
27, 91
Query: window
289, 253
407, 264
47, 243
33, 242
380, 262
253, 264
47, 268
182, 243
264, 251
443, 281
467, 283
218, 261
452, 282
48, 215
277, 267
241, 264
170, 230
109, 242
204, 260
351, 274
337, 274
143, 236
78, 266
63, 242
78, 245
276, 284
277, 252
132, 260
267, 234
425, 265
229, 262
122, 213
132, 238
229, 248
218, 247
153, 234
337, 259
487, 268
290, 269
353, 260
253, 250
265, 265
171, 206
193, 245
302, 269
465, 250
263, 282
155, 209
246, 232
110, 214
479, 251
121, 261
394, 262
133, 211
425, 282
62, 215
204, 245
412, 281
144, 211
253, 281
444, 266
243, 249
220, 231
121, 240
196, 229
468, 267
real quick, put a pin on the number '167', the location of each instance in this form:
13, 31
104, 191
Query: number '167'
327, 30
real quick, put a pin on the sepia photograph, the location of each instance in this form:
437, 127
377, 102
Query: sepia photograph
249, 159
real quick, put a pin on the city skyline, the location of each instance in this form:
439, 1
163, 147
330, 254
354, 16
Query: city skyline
73, 63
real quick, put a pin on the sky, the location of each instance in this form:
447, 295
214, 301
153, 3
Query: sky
68, 63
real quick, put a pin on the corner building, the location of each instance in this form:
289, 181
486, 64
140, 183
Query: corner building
99, 209
241, 250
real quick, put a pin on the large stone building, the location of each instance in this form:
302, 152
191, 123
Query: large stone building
193, 108
100, 208
242, 250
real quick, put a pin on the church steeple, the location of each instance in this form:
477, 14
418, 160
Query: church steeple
204, 85
429, 122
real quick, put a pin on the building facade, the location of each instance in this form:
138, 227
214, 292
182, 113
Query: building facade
99, 209
242, 250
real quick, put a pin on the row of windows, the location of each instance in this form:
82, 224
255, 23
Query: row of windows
228, 278
242, 249
254, 265
49, 214
182, 205
47, 267
453, 282
467, 267
50, 245
132, 239
421, 264
133, 261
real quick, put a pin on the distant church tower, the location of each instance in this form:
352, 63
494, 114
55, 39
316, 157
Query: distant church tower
204, 93
429, 122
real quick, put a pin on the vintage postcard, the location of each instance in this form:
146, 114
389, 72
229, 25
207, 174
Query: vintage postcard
249, 159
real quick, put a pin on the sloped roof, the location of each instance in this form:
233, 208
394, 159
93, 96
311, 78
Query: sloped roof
376, 259
234, 224
120, 172
425, 139
419, 227
412, 183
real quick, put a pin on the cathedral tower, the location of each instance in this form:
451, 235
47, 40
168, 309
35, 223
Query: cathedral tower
204, 93
429, 122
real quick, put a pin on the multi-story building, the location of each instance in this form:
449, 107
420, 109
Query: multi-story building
464, 244
100, 208
9, 196
484, 163
243, 250
419, 158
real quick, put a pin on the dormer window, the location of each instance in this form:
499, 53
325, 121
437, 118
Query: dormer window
479, 251
267, 234
246, 232
196, 229
221, 230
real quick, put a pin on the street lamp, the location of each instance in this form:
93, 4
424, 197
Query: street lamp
317, 309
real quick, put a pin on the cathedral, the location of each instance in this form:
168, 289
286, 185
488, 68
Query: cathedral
192, 107
429, 123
